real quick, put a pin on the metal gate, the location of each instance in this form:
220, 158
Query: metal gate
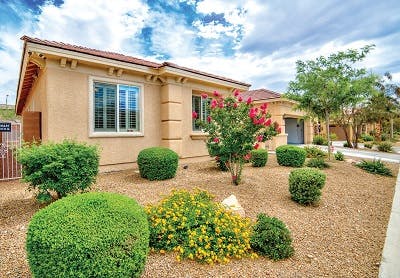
10, 143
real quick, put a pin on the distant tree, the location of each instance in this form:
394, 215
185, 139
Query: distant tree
322, 85
391, 92
352, 112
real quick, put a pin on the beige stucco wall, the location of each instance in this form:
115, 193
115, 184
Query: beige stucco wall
279, 110
68, 112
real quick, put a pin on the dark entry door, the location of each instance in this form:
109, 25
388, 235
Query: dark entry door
295, 130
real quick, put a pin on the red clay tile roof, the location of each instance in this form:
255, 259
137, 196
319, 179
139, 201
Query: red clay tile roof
124, 58
261, 94
91, 51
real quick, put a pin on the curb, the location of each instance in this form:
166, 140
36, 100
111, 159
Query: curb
390, 263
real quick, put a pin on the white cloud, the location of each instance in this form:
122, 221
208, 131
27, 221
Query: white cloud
103, 25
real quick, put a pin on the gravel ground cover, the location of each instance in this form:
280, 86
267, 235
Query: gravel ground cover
341, 237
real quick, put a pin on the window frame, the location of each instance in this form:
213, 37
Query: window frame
92, 132
201, 131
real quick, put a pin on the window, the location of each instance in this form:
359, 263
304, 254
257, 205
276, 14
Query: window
202, 108
116, 107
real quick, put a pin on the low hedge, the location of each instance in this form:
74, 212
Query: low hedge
89, 235
259, 157
305, 185
157, 163
65, 167
288, 155
271, 238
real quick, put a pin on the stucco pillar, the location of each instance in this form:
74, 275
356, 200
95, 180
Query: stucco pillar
171, 117
308, 131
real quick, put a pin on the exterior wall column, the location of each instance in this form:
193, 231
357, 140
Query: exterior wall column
308, 131
171, 117
279, 139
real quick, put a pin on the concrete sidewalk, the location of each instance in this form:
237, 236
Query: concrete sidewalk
362, 153
390, 264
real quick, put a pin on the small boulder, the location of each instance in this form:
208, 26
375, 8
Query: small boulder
231, 203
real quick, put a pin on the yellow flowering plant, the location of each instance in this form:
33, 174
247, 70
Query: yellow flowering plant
199, 229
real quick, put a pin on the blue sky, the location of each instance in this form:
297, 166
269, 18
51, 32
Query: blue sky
256, 41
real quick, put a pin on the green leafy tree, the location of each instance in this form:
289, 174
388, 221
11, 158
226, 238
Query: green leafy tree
360, 90
235, 128
321, 86
391, 92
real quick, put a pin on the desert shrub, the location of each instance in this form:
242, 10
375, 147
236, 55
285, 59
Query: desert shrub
271, 238
319, 140
157, 163
89, 235
305, 185
333, 136
65, 167
339, 156
385, 137
198, 229
367, 137
374, 167
288, 155
317, 162
259, 157
347, 145
313, 152
385, 146
368, 145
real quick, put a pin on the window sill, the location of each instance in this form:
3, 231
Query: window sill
199, 136
115, 134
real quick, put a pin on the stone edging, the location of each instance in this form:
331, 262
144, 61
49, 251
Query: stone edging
390, 263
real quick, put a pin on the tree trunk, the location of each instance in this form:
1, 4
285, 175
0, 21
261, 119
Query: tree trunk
391, 128
328, 135
346, 134
378, 130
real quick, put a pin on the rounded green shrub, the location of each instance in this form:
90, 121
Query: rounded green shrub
314, 152
270, 237
305, 185
288, 155
65, 167
89, 235
157, 163
385, 146
259, 157
317, 162
319, 140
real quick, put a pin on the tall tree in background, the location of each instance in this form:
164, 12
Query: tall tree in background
322, 85
352, 112
391, 92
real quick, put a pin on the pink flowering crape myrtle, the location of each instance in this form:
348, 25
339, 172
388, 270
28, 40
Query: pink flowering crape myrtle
235, 127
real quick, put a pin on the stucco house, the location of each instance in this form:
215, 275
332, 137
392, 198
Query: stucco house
294, 128
123, 104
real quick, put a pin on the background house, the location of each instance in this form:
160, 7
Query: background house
294, 129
